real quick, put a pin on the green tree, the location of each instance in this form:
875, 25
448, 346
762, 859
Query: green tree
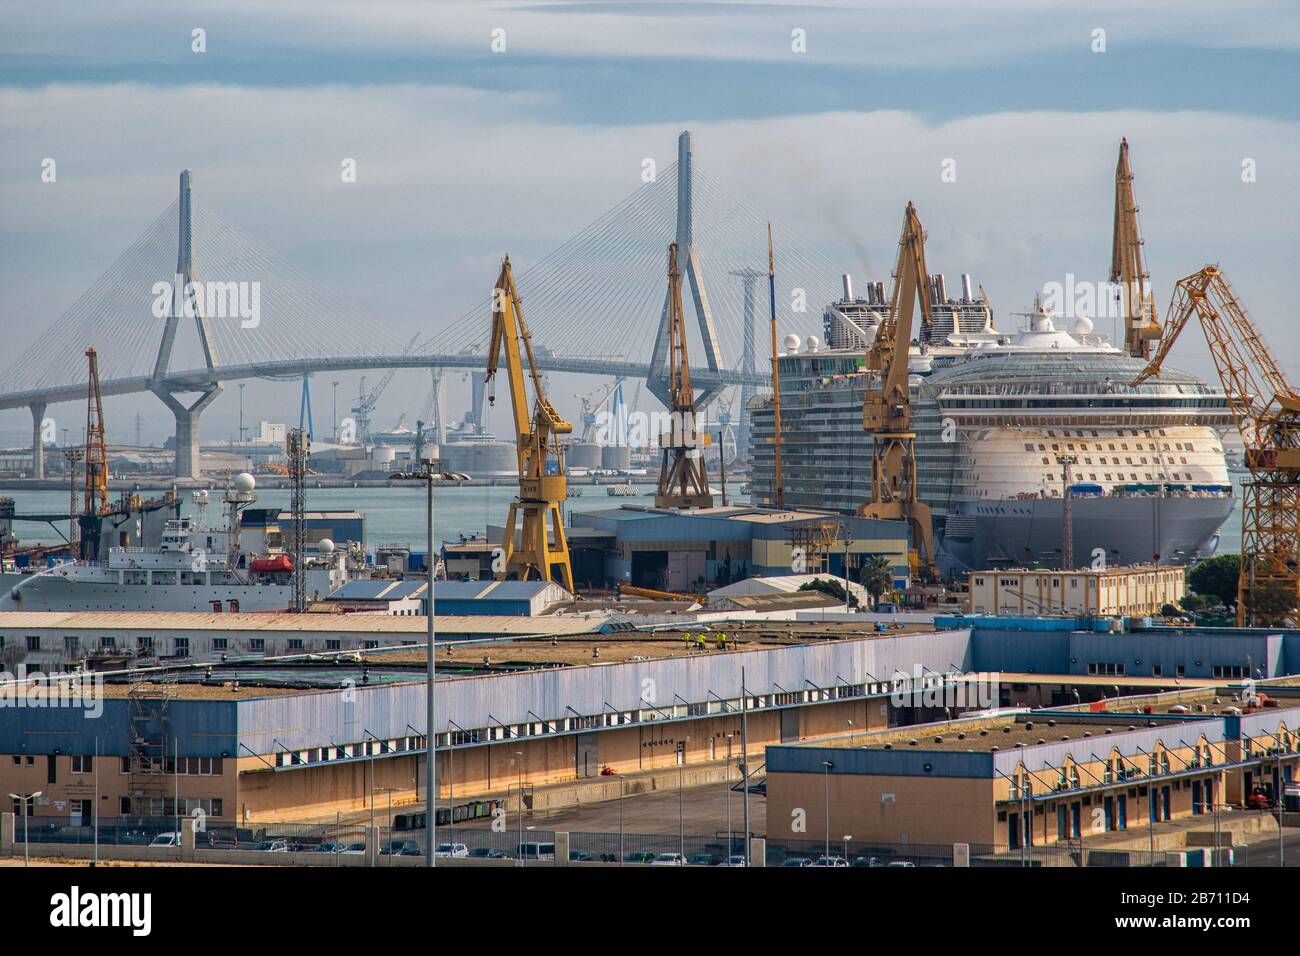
832, 587
1216, 578
877, 576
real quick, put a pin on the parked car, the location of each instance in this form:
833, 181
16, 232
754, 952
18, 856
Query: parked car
736, 859
580, 856
354, 849
536, 851
486, 853
866, 861
834, 861
639, 856
331, 847
273, 846
702, 859
451, 850
669, 859
166, 839
901, 863
400, 848
797, 861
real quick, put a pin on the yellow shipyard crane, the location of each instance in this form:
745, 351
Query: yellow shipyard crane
543, 551
683, 479
1267, 412
1128, 266
886, 410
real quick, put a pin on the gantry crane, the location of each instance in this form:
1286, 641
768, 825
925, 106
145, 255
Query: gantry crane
886, 410
1267, 412
96, 449
683, 478
1128, 266
543, 487
364, 409
593, 406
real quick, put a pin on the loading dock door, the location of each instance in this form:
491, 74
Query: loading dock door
588, 755
789, 725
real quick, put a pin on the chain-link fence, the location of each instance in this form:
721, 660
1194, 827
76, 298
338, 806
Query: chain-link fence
338, 839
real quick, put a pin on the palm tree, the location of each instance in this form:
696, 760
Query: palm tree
877, 577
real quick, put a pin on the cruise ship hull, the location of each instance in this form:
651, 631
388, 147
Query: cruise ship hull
977, 535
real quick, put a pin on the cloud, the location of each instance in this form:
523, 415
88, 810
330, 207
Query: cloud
449, 177
895, 32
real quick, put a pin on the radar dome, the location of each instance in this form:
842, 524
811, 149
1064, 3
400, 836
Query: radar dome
813, 343
325, 545
792, 343
1083, 325
244, 482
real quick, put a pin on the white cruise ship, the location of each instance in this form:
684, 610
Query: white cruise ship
993, 411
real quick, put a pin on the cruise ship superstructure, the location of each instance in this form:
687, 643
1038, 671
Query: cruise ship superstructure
993, 411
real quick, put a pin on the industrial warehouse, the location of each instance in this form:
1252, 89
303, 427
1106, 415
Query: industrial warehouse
306, 738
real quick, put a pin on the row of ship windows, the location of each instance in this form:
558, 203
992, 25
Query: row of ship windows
1123, 446
1128, 461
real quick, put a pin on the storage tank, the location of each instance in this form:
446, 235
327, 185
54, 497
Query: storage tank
616, 457
583, 454
480, 459
383, 454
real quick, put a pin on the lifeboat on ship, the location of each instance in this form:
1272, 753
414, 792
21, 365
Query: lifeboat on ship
272, 564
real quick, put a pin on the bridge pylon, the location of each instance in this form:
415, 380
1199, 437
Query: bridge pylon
692, 270
185, 303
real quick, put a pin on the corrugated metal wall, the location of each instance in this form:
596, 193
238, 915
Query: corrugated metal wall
477, 702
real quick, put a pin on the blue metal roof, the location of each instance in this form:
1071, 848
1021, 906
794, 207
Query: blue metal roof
497, 590
380, 589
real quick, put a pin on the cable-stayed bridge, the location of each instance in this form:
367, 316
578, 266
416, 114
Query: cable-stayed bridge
196, 302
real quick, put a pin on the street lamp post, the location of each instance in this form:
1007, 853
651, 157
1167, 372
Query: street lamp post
426, 474
681, 819
828, 764
744, 758
26, 799
519, 770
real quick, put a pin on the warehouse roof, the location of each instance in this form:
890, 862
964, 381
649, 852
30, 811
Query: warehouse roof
333, 623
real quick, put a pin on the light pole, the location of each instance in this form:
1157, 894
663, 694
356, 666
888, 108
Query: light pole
26, 801
621, 787
828, 764
848, 540
744, 756
241, 413
336, 412
681, 819
730, 838
391, 852
427, 474
519, 771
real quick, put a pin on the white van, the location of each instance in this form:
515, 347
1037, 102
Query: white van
536, 851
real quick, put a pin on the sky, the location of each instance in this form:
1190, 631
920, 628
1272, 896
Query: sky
480, 128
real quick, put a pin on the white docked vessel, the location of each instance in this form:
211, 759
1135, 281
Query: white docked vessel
993, 412
194, 568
